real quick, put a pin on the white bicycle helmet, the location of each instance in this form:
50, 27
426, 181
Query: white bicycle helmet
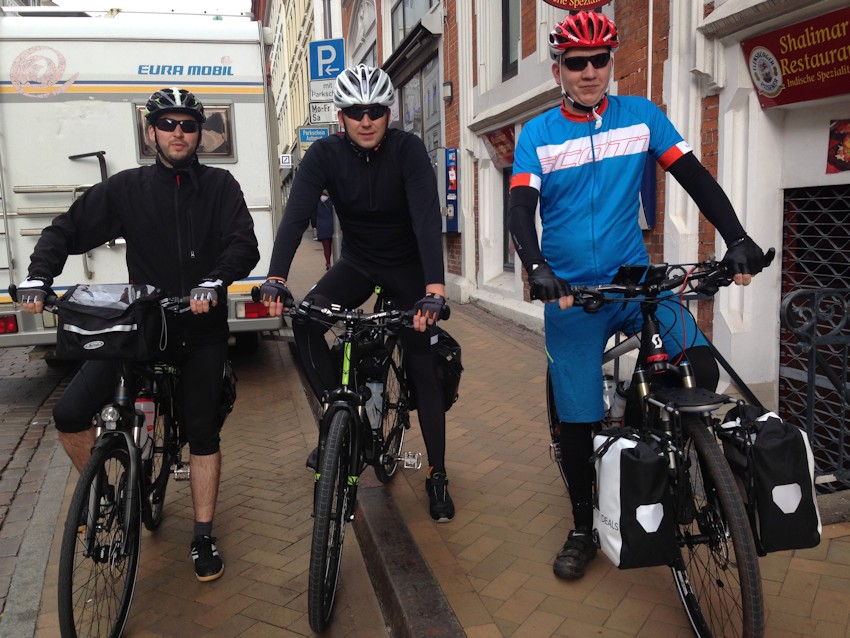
361, 85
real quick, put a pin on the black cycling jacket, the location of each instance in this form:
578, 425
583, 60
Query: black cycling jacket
385, 199
180, 226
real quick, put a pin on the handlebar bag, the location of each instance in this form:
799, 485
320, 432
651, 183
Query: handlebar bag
633, 513
774, 461
110, 321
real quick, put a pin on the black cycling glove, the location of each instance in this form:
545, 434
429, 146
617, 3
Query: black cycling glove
743, 256
207, 290
431, 306
275, 290
33, 291
546, 285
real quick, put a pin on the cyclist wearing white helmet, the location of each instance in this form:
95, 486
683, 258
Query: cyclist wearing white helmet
583, 162
385, 194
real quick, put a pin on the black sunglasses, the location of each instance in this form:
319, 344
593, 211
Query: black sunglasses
168, 125
375, 112
579, 63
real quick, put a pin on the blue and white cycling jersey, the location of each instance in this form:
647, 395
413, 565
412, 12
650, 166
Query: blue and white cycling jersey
589, 182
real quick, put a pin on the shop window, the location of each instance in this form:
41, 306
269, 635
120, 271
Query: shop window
405, 15
510, 37
420, 104
217, 142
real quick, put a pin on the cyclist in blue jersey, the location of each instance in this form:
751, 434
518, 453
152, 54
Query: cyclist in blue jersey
583, 162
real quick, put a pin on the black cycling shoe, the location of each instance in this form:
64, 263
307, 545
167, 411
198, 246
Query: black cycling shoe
437, 487
208, 564
577, 552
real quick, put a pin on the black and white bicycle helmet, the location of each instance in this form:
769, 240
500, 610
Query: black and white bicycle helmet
361, 85
174, 100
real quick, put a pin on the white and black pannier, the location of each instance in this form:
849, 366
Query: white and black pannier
633, 514
774, 462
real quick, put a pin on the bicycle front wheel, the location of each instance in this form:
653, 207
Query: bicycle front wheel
329, 519
395, 416
97, 562
717, 573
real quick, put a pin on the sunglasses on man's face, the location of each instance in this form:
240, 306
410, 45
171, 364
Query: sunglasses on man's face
374, 112
579, 62
168, 125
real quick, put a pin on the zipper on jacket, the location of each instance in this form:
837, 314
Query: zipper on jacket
179, 236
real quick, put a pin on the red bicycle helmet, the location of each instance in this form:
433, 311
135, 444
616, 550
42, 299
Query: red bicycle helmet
586, 29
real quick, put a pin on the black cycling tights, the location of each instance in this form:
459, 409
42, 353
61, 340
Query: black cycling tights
350, 285
576, 450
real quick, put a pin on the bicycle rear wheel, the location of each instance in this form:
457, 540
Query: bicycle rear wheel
157, 469
717, 573
97, 563
395, 415
329, 507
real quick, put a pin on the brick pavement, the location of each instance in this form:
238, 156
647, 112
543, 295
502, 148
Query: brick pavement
491, 566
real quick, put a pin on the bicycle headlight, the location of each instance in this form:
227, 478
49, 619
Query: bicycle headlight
110, 415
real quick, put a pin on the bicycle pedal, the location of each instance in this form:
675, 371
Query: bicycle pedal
411, 460
181, 472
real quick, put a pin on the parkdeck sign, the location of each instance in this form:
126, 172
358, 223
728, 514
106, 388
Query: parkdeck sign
801, 62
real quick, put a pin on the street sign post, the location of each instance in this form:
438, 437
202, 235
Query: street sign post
309, 134
321, 90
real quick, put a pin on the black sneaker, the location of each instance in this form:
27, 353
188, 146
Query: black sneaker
577, 552
208, 564
437, 489
313, 460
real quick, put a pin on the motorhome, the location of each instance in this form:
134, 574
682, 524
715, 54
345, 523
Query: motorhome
72, 104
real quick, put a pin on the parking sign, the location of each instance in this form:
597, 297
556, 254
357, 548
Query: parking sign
327, 58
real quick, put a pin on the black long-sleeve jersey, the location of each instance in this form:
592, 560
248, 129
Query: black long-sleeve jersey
386, 201
180, 226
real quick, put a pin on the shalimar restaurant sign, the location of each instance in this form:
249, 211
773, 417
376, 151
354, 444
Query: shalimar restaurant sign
801, 62
576, 5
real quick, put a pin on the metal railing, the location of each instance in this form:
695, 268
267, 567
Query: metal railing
814, 377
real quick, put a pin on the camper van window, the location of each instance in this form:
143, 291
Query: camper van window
216, 141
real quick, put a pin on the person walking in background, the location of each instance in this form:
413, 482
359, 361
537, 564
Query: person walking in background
325, 226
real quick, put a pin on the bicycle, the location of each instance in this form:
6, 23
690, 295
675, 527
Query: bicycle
716, 570
122, 486
363, 424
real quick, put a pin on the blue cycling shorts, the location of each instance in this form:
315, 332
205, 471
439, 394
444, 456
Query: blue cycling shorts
576, 340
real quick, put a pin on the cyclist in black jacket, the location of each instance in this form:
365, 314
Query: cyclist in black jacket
188, 232
385, 194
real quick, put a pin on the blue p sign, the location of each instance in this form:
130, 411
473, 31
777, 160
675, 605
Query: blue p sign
327, 58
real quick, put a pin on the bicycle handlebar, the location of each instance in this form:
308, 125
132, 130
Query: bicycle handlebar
173, 305
704, 278
305, 309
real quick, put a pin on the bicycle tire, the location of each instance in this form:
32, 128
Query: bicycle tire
329, 520
96, 579
717, 573
395, 414
158, 468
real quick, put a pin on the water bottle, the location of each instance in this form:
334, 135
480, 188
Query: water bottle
375, 403
618, 403
608, 386
144, 404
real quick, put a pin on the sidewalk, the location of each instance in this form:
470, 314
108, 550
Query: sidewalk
486, 574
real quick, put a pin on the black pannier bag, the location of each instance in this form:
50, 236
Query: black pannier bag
447, 362
773, 460
633, 513
110, 321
